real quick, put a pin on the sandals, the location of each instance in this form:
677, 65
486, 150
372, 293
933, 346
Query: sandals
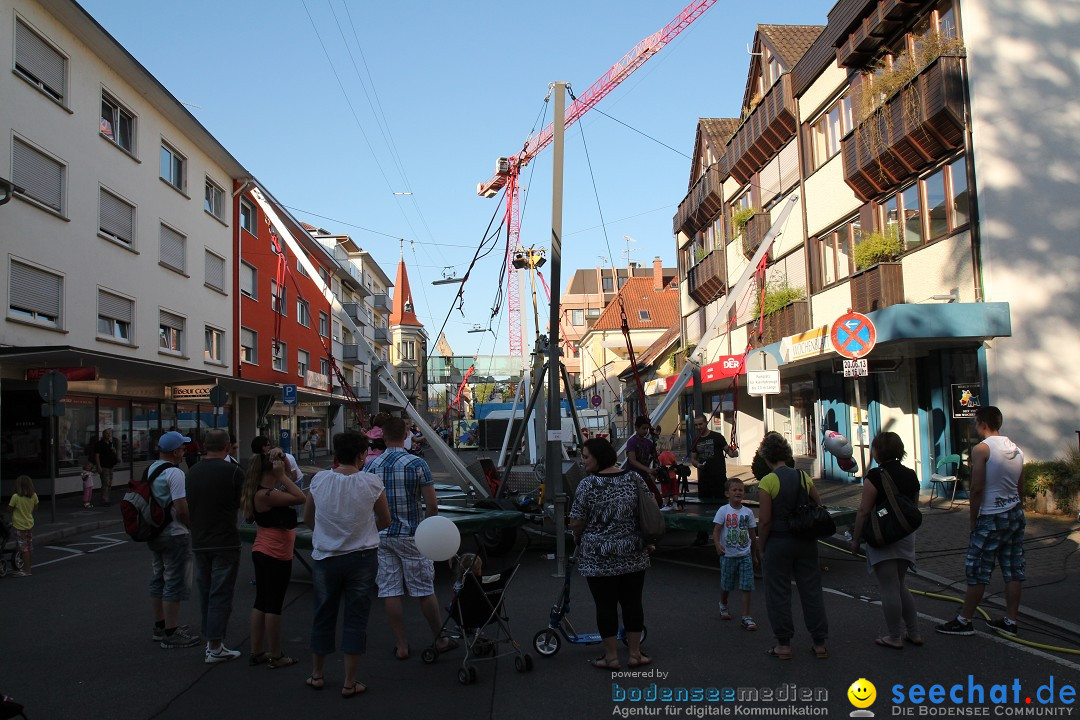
639, 660
398, 656
315, 683
915, 640
281, 661
603, 663
258, 658
357, 688
820, 652
772, 652
886, 643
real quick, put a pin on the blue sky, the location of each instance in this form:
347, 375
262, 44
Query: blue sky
427, 95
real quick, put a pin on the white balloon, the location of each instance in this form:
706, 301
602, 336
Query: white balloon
437, 538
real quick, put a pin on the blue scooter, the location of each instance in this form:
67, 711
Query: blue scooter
549, 641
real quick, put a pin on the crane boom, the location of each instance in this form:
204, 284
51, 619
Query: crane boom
631, 61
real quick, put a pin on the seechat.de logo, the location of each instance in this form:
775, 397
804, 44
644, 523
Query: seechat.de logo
862, 694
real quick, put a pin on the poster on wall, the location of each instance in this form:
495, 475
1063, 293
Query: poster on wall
466, 436
965, 399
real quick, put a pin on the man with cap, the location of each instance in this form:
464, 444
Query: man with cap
170, 583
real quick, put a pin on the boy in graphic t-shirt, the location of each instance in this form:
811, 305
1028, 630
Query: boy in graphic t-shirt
735, 538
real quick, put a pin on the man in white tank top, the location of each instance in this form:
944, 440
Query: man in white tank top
997, 524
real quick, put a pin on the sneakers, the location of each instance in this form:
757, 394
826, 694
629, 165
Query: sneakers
1004, 625
667, 508
748, 623
159, 632
956, 627
222, 654
180, 638
725, 614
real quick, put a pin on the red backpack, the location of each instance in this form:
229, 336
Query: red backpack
144, 516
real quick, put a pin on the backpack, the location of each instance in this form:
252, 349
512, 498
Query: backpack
144, 517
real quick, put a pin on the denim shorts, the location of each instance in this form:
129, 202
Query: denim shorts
171, 567
996, 537
402, 569
736, 573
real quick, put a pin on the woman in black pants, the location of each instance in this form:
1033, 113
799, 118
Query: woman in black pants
268, 492
612, 555
787, 555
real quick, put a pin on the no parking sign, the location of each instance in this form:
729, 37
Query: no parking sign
853, 335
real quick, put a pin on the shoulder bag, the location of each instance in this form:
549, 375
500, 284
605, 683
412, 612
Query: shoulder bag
892, 518
650, 520
809, 519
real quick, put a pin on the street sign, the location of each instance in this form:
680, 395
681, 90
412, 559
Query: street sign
285, 438
596, 400
856, 368
288, 394
52, 387
763, 382
761, 360
219, 396
853, 335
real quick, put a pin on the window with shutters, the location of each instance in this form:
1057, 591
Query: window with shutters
40, 177
117, 124
280, 356
249, 346
303, 313
324, 324
215, 271
115, 315
214, 200
35, 295
171, 333
248, 216
117, 218
249, 277
173, 167
173, 249
324, 366
303, 362
213, 345
38, 62
277, 298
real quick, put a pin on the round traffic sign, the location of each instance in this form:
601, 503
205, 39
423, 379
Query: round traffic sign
218, 396
52, 387
596, 400
853, 335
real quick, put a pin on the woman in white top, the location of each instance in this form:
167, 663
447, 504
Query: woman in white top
346, 508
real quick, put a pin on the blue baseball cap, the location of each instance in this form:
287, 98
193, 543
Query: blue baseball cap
171, 440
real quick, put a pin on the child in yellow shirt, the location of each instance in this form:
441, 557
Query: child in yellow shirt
22, 504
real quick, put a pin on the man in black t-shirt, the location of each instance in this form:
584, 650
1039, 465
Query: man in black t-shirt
709, 459
104, 457
213, 496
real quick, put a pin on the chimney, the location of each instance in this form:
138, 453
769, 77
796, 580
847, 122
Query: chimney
657, 274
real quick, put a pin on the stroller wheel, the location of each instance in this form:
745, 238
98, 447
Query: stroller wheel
463, 676
519, 664
429, 655
547, 642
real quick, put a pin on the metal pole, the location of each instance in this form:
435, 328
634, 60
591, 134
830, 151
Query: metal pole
858, 424
554, 478
54, 452
765, 412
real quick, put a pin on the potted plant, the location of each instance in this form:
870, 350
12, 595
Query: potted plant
786, 311
739, 219
878, 247
700, 253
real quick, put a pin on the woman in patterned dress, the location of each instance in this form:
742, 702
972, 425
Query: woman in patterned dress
612, 556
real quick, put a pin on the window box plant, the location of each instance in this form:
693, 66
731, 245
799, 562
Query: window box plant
879, 281
786, 312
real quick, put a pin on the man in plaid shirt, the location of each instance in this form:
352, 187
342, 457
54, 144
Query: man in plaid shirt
402, 569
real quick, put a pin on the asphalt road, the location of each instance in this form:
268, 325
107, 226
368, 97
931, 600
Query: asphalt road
76, 641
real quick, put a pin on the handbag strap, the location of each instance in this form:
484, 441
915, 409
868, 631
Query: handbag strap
890, 494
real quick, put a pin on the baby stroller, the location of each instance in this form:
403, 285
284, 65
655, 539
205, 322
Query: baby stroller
479, 604
11, 560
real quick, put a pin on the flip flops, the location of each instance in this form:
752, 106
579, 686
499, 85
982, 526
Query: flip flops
357, 688
772, 652
639, 660
915, 640
603, 663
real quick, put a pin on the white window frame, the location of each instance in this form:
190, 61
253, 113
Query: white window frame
114, 232
303, 362
210, 254
303, 312
24, 70
162, 234
209, 331
216, 201
118, 112
26, 193
279, 357
244, 267
252, 357
324, 324
278, 298
118, 327
247, 208
177, 161
39, 315
324, 367
169, 336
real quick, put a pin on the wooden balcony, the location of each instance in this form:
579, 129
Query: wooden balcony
918, 125
877, 287
754, 233
793, 319
880, 20
707, 280
770, 126
703, 203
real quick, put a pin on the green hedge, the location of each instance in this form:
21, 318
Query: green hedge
1061, 477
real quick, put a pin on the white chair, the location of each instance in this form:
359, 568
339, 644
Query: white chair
940, 484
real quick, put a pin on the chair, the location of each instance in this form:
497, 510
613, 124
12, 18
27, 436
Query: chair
939, 484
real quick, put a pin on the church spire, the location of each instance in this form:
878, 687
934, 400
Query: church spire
403, 312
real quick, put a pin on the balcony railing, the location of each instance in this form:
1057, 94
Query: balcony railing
382, 335
381, 301
707, 280
770, 126
921, 123
880, 19
754, 233
316, 380
877, 287
357, 312
792, 319
354, 276
351, 354
704, 202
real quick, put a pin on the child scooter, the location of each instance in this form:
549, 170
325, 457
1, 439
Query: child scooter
549, 641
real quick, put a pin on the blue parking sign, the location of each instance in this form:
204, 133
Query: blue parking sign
288, 394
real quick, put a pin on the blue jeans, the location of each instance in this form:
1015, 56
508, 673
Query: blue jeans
351, 576
170, 577
215, 572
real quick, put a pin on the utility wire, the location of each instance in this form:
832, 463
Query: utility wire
377, 232
640, 132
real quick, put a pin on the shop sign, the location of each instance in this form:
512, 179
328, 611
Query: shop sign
192, 392
71, 373
810, 344
726, 366
965, 399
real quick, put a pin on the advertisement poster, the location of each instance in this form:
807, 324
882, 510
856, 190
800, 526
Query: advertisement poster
965, 399
466, 435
